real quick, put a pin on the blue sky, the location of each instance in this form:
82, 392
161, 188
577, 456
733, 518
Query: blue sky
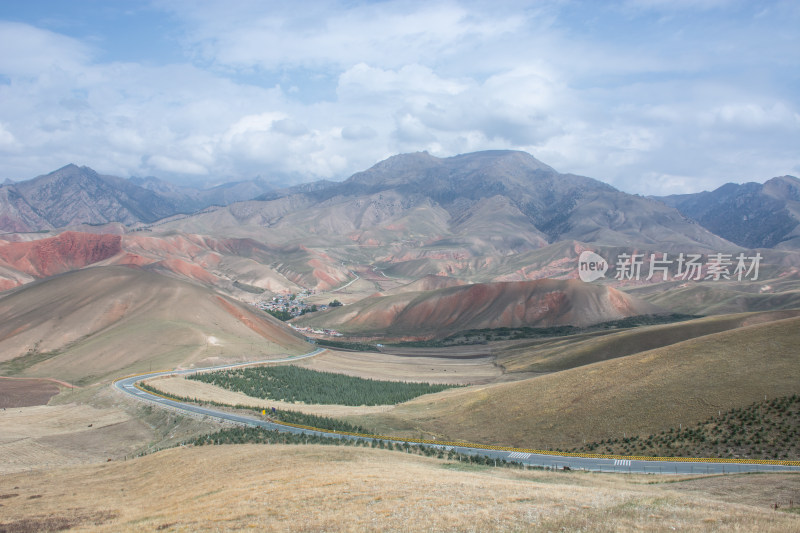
652, 96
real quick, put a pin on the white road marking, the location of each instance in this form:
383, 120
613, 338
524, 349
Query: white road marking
622, 462
518, 455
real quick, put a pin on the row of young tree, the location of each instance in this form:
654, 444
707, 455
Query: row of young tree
249, 435
280, 415
296, 384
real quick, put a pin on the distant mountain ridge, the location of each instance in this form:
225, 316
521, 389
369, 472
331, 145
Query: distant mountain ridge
753, 215
498, 194
74, 195
495, 201
191, 199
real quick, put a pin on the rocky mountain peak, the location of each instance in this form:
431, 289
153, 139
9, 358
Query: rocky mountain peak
783, 187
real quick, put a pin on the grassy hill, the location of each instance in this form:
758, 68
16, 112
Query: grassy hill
724, 298
647, 392
554, 355
92, 324
328, 488
768, 429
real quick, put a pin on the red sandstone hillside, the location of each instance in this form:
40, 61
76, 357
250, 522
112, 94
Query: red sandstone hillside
62, 253
446, 311
216, 262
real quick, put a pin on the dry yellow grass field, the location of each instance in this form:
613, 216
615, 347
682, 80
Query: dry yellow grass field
65, 434
638, 394
474, 366
561, 353
84, 427
325, 488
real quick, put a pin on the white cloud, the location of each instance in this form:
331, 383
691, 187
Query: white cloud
362, 81
358, 132
610, 92
273, 34
753, 116
27, 51
8, 143
177, 166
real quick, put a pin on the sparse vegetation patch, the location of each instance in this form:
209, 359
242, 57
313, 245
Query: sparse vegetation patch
248, 288
295, 384
71, 519
482, 336
342, 345
280, 315
763, 430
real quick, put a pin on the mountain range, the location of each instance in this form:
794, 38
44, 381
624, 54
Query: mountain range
496, 216
75, 195
504, 201
484, 194
752, 215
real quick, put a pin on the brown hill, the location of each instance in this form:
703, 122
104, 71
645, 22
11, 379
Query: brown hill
555, 354
442, 312
107, 321
643, 393
428, 283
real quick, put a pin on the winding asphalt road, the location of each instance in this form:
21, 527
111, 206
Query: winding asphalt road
128, 386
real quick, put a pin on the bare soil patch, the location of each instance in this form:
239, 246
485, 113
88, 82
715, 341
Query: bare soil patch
412, 365
26, 392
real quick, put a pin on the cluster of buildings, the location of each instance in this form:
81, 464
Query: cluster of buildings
313, 331
294, 304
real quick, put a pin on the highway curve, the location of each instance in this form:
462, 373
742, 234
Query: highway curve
595, 463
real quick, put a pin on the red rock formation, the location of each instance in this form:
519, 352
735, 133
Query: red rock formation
485, 305
62, 253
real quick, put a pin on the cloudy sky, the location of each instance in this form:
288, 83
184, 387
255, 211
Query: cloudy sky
652, 96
